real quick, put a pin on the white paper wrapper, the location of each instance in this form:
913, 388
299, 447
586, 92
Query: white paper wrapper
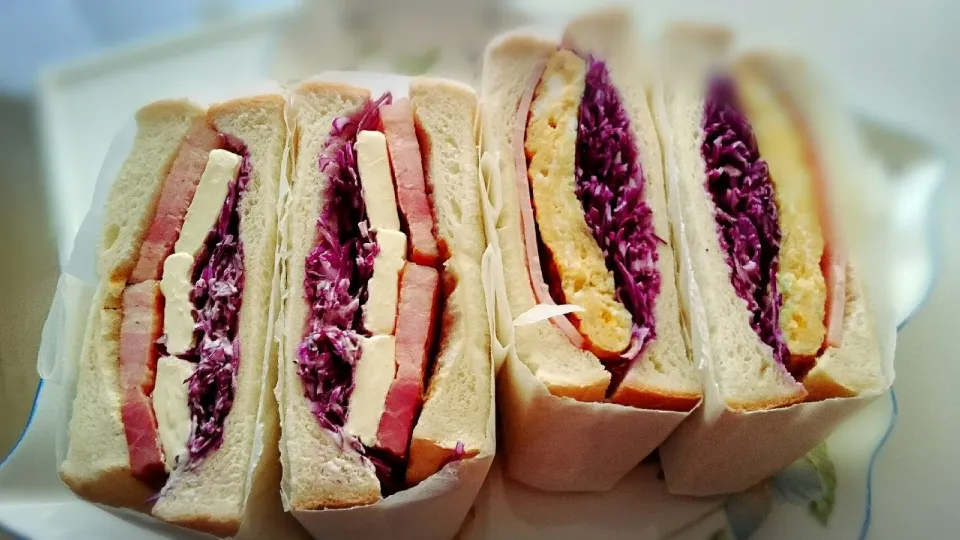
720, 450
637, 507
435, 508
63, 337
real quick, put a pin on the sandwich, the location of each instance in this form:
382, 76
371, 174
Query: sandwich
786, 313
170, 374
385, 355
585, 221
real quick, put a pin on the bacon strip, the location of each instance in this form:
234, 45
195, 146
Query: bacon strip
142, 325
416, 323
407, 166
528, 225
175, 197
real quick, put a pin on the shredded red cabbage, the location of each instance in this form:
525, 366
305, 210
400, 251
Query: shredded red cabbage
746, 211
337, 273
609, 183
217, 295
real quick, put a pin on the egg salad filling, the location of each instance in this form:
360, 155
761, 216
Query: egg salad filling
596, 231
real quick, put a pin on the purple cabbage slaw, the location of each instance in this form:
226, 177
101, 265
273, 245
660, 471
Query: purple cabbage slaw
338, 271
217, 295
746, 213
609, 184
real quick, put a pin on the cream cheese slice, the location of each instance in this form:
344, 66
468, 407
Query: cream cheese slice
376, 180
176, 282
178, 321
374, 373
380, 311
170, 394
221, 169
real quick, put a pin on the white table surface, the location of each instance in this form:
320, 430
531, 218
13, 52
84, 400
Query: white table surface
895, 62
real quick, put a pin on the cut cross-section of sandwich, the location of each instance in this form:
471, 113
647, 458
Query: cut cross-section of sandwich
786, 314
169, 391
585, 219
385, 360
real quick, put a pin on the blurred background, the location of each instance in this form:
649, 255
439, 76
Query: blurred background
73, 71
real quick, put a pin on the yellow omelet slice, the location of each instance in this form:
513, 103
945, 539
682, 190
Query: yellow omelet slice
800, 278
577, 262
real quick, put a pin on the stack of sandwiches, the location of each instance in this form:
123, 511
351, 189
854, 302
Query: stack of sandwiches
358, 296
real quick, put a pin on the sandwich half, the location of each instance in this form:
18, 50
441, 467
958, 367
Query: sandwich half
385, 359
585, 216
172, 365
785, 307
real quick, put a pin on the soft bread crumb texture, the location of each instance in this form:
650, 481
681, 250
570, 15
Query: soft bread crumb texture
211, 497
563, 368
317, 472
575, 261
457, 403
799, 276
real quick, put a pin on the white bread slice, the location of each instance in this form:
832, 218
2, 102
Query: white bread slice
747, 375
211, 497
161, 127
563, 368
97, 465
664, 377
318, 472
457, 401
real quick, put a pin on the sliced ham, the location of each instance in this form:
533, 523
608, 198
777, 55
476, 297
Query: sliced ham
405, 158
416, 320
140, 328
527, 224
834, 269
175, 198
143, 442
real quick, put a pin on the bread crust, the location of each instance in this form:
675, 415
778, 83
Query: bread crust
112, 487
238, 105
223, 527
647, 397
775, 403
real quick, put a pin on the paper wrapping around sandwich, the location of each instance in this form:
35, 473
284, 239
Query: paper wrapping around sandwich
721, 450
638, 507
435, 508
74, 298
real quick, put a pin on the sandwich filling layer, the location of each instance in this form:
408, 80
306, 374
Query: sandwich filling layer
338, 272
745, 210
610, 186
143, 303
596, 231
217, 296
371, 325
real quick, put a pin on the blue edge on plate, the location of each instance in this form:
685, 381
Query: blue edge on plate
934, 237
